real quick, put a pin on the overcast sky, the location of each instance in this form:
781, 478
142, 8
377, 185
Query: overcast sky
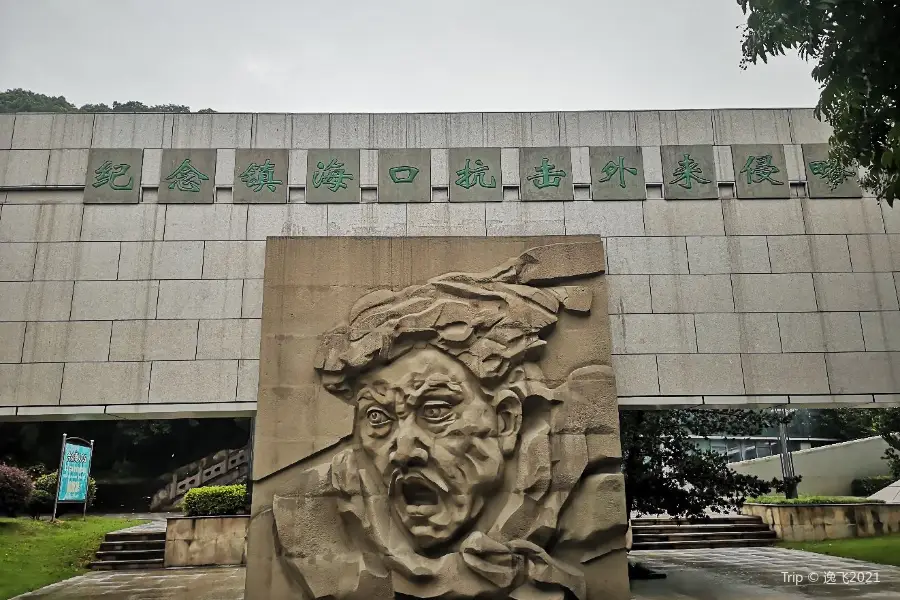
393, 55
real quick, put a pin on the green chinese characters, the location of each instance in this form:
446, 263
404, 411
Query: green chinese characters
474, 175
260, 176
617, 173
760, 171
113, 176
332, 176
546, 174
825, 178
187, 176
689, 172
404, 175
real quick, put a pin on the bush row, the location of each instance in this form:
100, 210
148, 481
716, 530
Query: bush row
19, 493
866, 486
216, 500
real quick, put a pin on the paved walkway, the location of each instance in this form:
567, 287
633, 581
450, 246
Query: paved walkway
721, 574
762, 573
225, 583
156, 522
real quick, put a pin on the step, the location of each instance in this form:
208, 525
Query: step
666, 530
155, 536
103, 556
698, 527
733, 520
138, 545
741, 543
121, 565
710, 537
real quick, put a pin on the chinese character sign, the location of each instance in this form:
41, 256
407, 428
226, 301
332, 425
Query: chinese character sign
546, 174
825, 178
404, 175
617, 173
333, 176
474, 175
74, 473
187, 176
260, 176
689, 172
113, 176
760, 171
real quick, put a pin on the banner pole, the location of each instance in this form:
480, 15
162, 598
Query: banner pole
62, 456
87, 493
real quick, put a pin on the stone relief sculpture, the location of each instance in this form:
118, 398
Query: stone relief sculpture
468, 474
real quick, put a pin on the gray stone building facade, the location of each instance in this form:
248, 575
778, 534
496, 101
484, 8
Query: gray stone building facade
742, 269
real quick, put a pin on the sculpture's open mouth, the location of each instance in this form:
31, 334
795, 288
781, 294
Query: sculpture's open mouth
416, 492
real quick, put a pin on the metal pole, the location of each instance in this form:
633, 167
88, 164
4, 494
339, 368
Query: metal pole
250, 460
87, 493
62, 457
787, 461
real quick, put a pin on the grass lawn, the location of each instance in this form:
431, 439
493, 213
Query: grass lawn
37, 553
884, 550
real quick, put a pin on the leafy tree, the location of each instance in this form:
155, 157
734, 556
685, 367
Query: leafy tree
855, 423
19, 100
665, 472
854, 44
844, 424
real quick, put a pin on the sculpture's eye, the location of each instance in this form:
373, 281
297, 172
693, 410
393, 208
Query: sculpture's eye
436, 411
376, 416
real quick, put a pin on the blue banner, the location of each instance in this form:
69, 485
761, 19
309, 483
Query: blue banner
74, 472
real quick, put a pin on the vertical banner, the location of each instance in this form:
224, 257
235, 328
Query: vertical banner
74, 472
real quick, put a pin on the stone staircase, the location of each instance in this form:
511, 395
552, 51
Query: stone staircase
131, 549
664, 533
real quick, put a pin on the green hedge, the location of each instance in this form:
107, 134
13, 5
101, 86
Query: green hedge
866, 486
812, 500
47, 483
215, 500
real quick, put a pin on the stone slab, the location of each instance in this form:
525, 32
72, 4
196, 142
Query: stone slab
404, 175
332, 176
113, 176
545, 174
390, 313
760, 171
187, 176
822, 181
689, 172
475, 175
617, 173
260, 176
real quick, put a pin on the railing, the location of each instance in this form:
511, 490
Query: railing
222, 468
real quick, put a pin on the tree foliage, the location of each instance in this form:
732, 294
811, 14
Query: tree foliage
665, 472
19, 100
15, 488
855, 46
856, 423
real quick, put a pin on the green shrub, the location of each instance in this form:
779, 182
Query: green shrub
215, 500
15, 487
47, 483
811, 500
40, 503
866, 486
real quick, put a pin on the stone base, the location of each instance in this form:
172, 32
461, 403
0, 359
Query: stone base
206, 541
816, 522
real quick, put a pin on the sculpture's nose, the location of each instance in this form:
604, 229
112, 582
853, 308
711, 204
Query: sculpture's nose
408, 449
